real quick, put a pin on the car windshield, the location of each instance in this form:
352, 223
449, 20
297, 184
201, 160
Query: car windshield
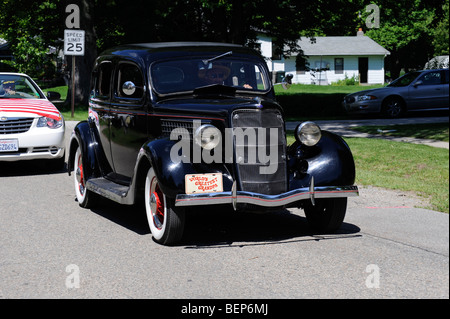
405, 80
18, 87
184, 76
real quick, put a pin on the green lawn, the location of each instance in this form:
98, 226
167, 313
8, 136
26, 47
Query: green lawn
403, 166
323, 89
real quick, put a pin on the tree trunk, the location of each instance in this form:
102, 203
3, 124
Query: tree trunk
83, 64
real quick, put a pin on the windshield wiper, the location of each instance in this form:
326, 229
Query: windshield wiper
205, 62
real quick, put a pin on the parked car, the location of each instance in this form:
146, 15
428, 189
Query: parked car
415, 91
31, 127
182, 125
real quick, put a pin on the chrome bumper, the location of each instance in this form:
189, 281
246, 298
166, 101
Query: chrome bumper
239, 197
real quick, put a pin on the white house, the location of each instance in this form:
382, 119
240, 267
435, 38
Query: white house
329, 59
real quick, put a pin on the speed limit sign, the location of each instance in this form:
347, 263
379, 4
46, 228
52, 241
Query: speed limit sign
73, 42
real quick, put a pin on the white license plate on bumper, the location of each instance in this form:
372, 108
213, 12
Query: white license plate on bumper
11, 145
203, 183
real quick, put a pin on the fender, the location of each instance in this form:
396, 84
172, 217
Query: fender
171, 176
81, 136
86, 137
330, 162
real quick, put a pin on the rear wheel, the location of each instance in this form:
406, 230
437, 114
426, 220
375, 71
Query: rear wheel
85, 197
327, 214
166, 221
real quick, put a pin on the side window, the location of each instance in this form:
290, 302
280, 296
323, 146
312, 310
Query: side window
101, 80
432, 78
446, 76
129, 81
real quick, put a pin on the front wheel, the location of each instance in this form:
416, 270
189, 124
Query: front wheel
85, 197
393, 107
166, 221
327, 214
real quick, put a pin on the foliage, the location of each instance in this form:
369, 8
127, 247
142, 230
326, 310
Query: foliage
30, 29
440, 41
354, 80
407, 29
412, 30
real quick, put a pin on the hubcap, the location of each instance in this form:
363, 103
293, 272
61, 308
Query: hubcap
157, 205
79, 175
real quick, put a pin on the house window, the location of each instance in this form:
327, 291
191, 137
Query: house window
339, 65
301, 64
276, 52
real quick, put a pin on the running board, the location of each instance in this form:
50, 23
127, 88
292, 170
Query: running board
113, 191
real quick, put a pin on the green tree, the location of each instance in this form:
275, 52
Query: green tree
406, 30
440, 40
30, 33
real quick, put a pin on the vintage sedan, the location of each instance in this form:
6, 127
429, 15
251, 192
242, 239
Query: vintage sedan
416, 91
31, 127
176, 126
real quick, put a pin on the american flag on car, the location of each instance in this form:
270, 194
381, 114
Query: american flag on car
38, 107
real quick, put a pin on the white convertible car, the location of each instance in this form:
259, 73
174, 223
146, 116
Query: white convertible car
31, 127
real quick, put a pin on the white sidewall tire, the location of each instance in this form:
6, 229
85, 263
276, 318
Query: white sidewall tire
151, 181
81, 195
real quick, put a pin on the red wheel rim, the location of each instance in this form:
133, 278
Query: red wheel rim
80, 175
157, 204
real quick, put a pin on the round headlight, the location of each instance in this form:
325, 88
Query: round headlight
207, 136
308, 133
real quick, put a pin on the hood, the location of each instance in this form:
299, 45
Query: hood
371, 91
212, 106
29, 107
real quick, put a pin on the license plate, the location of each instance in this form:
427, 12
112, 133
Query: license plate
204, 183
9, 145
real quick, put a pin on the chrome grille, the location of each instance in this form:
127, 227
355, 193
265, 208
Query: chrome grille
257, 176
15, 125
178, 126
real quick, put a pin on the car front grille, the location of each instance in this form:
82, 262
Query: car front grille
350, 99
15, 125
178, 127
259, 176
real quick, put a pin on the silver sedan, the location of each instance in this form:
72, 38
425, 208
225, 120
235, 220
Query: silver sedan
415, 91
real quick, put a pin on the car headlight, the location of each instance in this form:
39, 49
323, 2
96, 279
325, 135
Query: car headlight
49, 122
207, 136
308, 133
366, 97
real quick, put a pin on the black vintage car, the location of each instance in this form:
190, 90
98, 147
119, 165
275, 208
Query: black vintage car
178, 125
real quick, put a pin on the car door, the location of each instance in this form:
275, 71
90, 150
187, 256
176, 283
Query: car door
427, 92
99, 104
128, 128
445, 101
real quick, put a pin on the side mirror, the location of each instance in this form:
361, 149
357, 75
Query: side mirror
128, 88
287, 81
417, 83
53, 96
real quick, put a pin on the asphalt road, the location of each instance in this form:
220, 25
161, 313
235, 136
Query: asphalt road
52, 248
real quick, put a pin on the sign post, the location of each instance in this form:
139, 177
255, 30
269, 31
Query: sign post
73, 45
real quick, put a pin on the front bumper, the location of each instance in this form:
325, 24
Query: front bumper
361, 107
239, 197
37, 143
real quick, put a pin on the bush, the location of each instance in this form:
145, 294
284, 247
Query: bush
354, 80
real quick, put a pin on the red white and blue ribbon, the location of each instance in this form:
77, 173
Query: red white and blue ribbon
38, 107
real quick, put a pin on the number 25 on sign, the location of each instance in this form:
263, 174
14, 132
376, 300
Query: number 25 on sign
73, 42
